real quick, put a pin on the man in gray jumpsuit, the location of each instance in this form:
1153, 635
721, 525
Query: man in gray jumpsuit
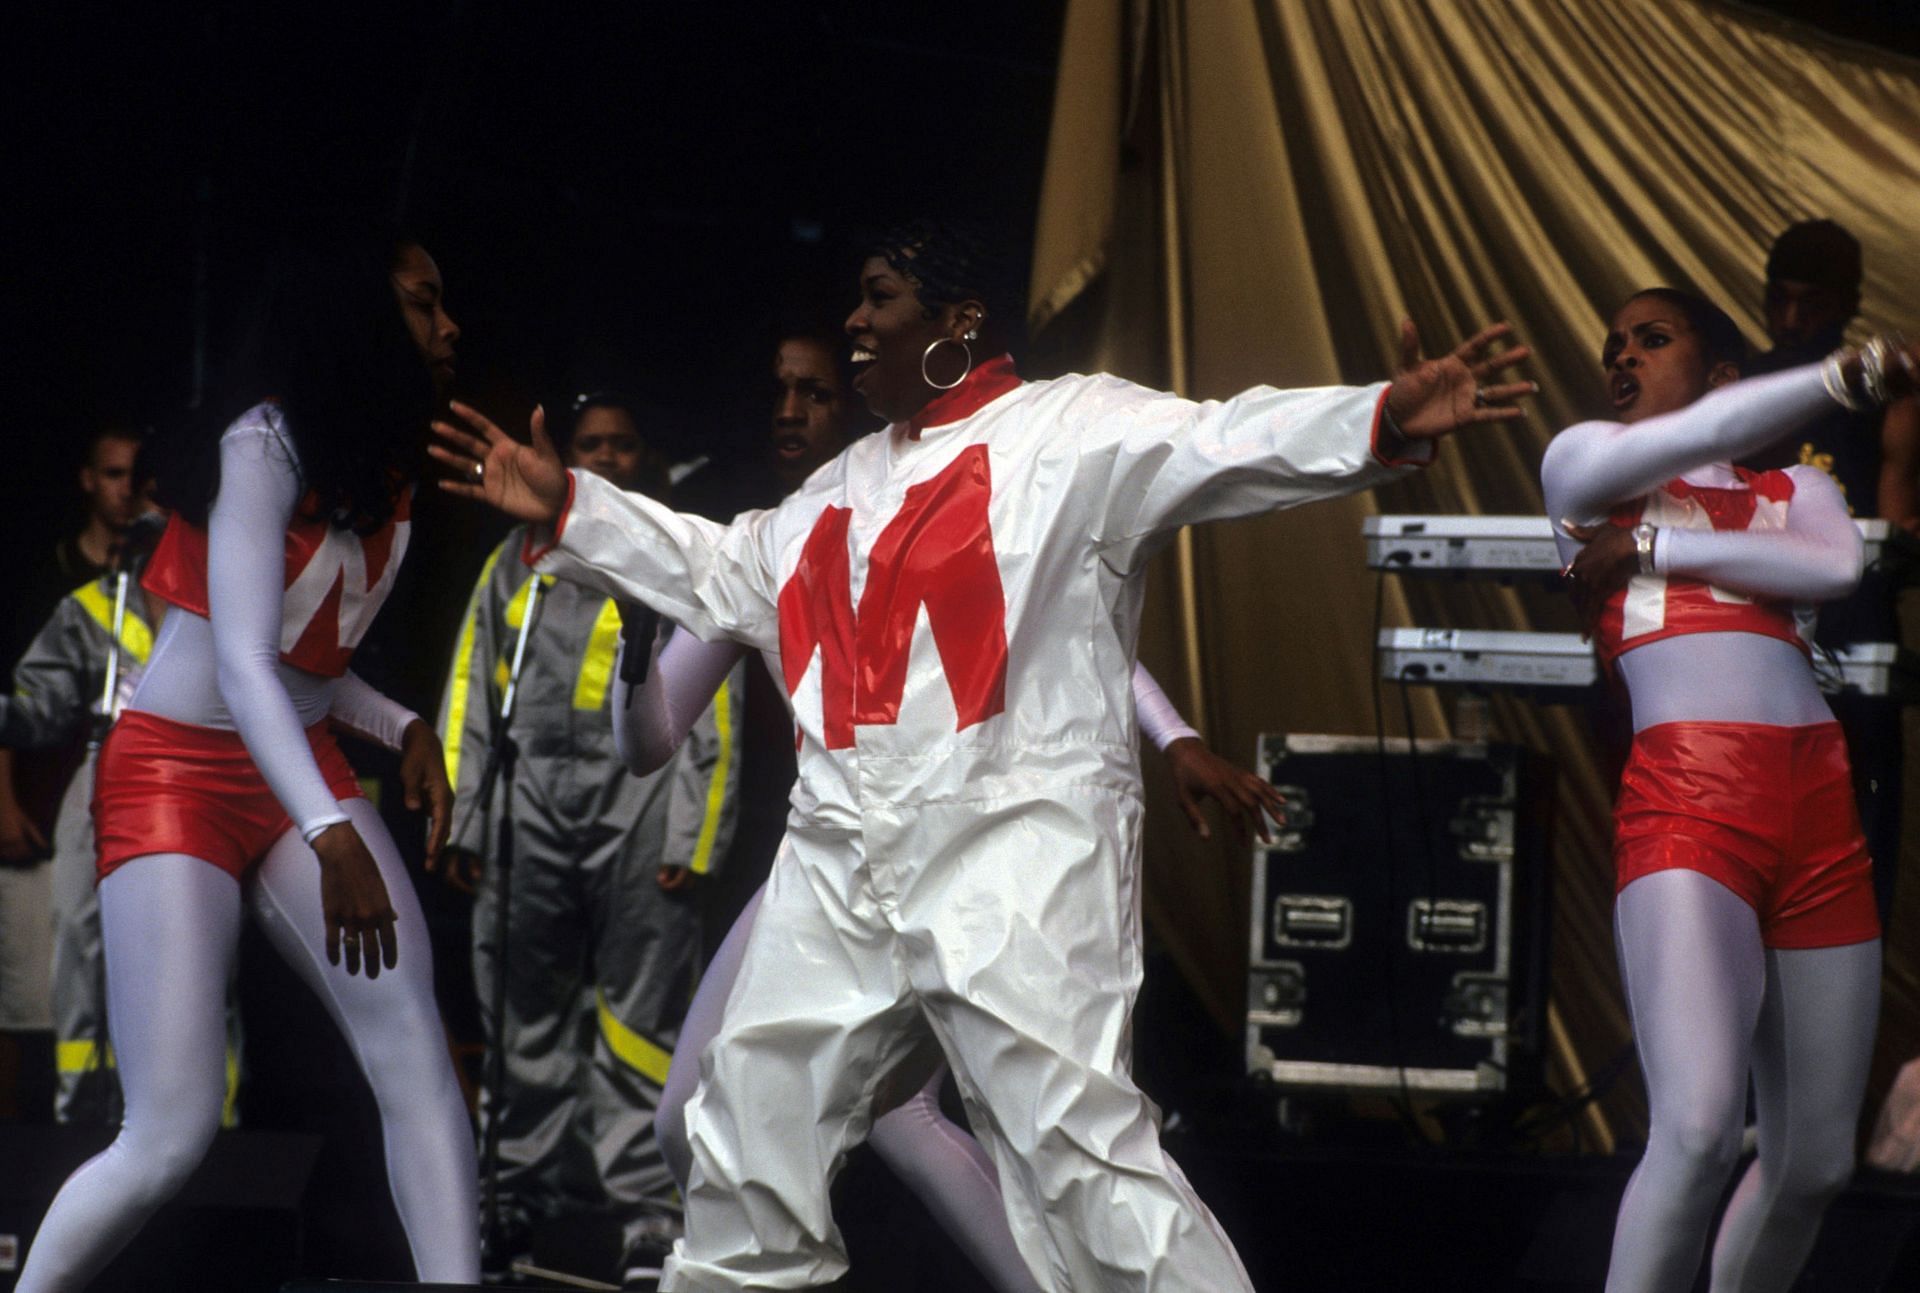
604, 921
59, 686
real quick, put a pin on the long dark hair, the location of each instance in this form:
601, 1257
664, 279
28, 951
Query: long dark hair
350, 391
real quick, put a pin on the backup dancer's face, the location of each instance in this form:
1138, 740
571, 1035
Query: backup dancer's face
416, 282
606, 443
891, 331
1655, 362
809, 411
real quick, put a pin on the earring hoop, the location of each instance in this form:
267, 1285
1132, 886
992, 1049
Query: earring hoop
928, 354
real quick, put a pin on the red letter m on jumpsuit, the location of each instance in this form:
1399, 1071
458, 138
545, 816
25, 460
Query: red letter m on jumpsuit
937, 553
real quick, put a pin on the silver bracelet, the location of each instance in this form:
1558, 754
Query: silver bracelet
1834, 378
1643, 537
1873, 370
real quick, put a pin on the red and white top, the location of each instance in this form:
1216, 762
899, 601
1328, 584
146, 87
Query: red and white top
272, 603
1716, 632
1655, 607
335, 581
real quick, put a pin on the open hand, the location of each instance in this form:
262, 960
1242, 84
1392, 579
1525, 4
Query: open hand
526, 481
423, 778
354, 899
1200, 774
1432, 397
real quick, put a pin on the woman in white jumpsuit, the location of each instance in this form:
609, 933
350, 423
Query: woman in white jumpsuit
943, 1165
963, 851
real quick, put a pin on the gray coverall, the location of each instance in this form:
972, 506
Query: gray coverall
602, 961
58, 687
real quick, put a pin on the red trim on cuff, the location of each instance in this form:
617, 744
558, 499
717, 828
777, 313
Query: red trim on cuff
530, 554
1373, 437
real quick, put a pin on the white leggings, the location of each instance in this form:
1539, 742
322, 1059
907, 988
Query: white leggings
1710, 1005
938, 1160
170, 924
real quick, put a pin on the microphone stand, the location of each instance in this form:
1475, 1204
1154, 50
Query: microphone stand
502, 752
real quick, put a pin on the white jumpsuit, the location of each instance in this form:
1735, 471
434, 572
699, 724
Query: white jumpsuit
964, 845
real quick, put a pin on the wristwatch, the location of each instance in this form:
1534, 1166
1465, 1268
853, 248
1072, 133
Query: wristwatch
1643, 544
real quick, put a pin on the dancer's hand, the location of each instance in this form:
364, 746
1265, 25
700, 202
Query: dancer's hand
354, 901
21, 842
1200, 774
1601, 568
462, 869
1429, 398
423, 777
672, 879
526, 481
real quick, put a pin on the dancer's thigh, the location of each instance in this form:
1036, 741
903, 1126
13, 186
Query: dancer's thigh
1695, 974
1815, 1041
169, 924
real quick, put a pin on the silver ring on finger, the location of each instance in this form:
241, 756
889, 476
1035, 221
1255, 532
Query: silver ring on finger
479, 471
1480, 397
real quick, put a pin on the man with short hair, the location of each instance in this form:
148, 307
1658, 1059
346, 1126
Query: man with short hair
1812, 295
31, 786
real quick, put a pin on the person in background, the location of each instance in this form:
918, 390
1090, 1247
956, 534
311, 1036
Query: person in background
604, 922
31, 785
1873, 455
59, 701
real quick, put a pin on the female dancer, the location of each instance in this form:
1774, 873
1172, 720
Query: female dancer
1745, 918
962, 854
221, 786
942, 1163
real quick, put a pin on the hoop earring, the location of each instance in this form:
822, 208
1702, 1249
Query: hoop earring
928, 354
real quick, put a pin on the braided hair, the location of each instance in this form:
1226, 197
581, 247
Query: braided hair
950, 261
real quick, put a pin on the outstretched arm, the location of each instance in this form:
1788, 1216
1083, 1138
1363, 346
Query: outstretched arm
707, 578
1152, 462
1592, 466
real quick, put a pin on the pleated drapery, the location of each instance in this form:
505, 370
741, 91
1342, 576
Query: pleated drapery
1247, 191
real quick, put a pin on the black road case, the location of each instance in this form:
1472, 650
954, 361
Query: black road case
1399, 919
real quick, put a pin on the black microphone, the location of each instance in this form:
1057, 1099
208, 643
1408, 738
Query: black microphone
638, 626
138, 539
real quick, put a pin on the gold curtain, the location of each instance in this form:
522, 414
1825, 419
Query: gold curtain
1244, 191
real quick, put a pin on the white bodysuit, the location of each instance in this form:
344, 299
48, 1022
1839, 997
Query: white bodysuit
170, 921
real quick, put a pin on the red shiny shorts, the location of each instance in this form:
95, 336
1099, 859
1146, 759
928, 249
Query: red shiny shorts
167, 787
1767, 811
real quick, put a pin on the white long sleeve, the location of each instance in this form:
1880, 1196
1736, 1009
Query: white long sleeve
1815, 559
1160, 721
246, 572
651, 720
367, 713
1592, 466
710, 579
